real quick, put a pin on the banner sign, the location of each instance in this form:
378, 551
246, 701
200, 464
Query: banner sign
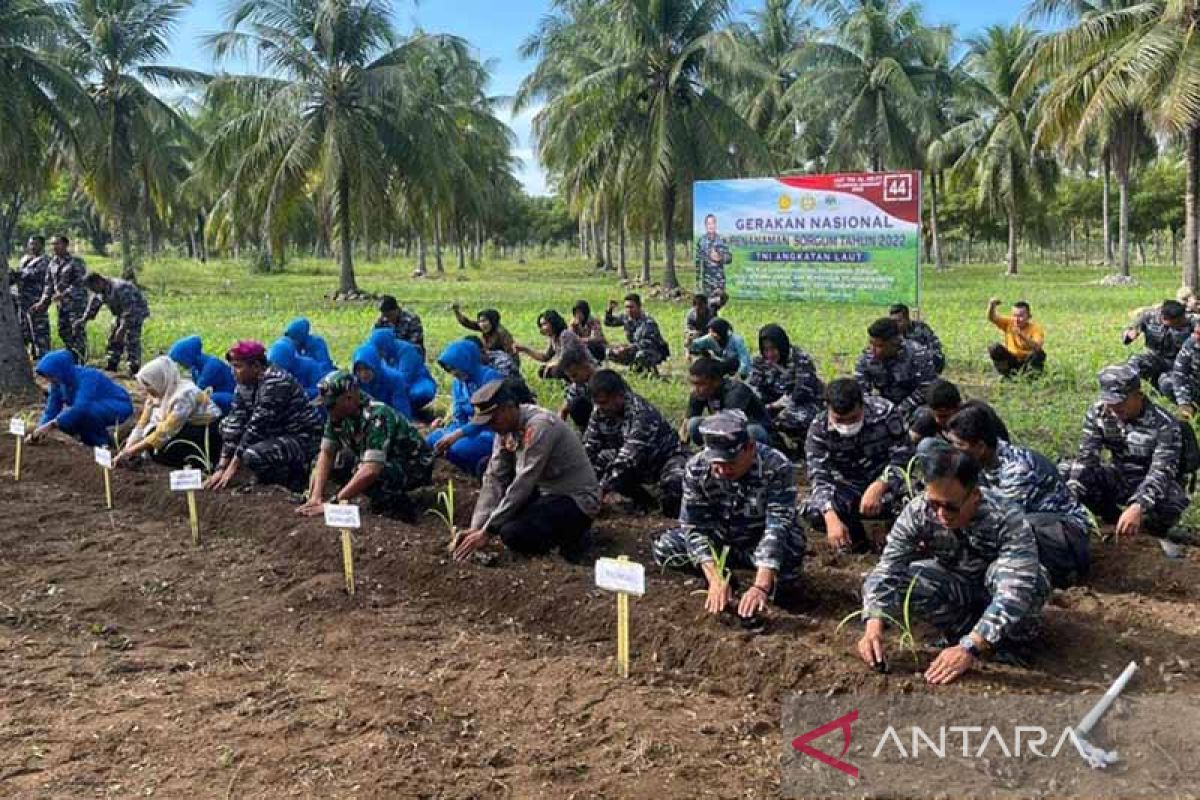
852, 237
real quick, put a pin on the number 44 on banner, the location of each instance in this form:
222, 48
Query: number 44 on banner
624, 577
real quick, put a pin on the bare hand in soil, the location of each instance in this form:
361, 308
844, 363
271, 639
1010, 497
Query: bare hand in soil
1130, 523
949, 665
221, 478
39, 433
870, 646
469, 542
1186, 412
837, 533
719, 596
872, 499
311, 508
753, 602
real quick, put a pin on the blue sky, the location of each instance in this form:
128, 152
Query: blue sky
496, 30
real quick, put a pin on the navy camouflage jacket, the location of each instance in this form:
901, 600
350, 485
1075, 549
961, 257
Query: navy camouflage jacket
1029, 480
1145, 450
276, 406
796, 379
756, 513
641, 441
125, 301
902, 380
832, 459
997, 547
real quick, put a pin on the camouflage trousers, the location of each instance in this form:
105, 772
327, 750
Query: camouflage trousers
389, 493
846, 501
793, 419
125, 337
71, 326
1063, 548
671, 549
1154, 370
953, 603
642, 359
283, 460
1104, 490
35, 330
668, 478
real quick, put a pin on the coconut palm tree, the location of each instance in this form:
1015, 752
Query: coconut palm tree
333, 107
1074, 111
115, 45
996, 143
865, 77
629, 74
40, 105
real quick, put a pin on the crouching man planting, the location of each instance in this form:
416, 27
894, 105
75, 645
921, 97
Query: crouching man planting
739, 505
972, 562
383, 455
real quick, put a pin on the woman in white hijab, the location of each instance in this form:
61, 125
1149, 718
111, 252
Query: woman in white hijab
176, 413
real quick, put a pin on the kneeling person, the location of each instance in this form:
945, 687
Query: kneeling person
741, 494
631, 445
389, 457
1029, 480
539, 491
271, 428
1146, 445
975, 564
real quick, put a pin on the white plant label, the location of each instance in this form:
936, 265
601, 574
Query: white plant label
103, 457
342, 516
186, 480
621, 576
16, 426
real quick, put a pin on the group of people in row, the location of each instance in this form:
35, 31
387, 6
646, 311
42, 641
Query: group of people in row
979, 535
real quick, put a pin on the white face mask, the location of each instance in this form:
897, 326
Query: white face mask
848, 430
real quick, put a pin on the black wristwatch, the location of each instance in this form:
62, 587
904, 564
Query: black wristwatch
968, 644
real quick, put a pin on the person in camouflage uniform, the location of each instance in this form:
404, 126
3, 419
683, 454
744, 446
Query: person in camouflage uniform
1029, 480
271, 427
712, 255
855, 453
383, 455
695, 322
942, 402
785, 378
29, 281
406, 324
1165, 331
972, 563
740, 495
646, 348
917, 331
577, 367
895, 368
713, 392
1145, 443
1185, 376
631, 445
129, 310
64, 286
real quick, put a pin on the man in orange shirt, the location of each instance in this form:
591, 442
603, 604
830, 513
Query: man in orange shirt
1024, 340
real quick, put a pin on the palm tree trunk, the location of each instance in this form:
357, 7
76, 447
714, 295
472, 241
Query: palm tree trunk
1012, 240
670, 281
622, 267
439, 267
646, 245
933, 222
347, 284
128, 267
1105, 229
608, 259
1123, 222
1191, 255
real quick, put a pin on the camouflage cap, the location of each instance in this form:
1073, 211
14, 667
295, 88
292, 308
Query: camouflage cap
1118, 382
724, 435
333, 386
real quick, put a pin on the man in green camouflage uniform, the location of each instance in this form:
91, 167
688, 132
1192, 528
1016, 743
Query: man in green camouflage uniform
383, 455
972, 562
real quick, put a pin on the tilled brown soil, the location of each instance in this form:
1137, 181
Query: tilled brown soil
133, 664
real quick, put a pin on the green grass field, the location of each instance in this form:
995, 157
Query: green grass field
223, 301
